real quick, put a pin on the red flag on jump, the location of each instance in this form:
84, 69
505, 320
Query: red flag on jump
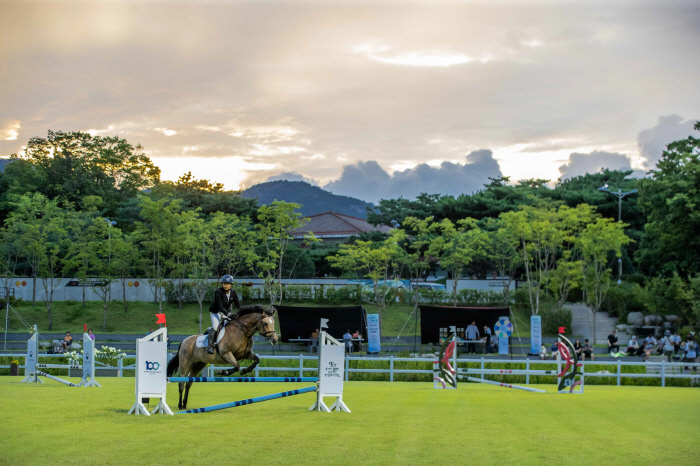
562, 330
85, 328
161, 319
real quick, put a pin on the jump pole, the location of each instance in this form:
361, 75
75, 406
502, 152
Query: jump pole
506, 385
234, 404
241, 379
44, 374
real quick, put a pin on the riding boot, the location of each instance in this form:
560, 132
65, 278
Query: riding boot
212, 341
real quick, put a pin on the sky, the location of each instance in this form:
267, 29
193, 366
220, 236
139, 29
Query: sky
367, 99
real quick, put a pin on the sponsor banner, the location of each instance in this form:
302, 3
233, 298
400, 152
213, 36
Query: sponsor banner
374, 342
535, 334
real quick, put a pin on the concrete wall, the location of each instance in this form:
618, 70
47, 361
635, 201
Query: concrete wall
137, 289
483, 285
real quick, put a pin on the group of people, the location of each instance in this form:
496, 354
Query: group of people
68, 340
472, 335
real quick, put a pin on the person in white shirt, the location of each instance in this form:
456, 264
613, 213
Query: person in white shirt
676, 342
632, 346
543, 352
472, 333
668, 345
347, 338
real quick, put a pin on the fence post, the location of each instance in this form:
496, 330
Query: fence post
120, 366
527, 368
663, 373
301, 365
347, 367
256, 371
619, 370
482, 368
391, 368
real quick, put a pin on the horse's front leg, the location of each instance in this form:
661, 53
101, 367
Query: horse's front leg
231, 359
254, 357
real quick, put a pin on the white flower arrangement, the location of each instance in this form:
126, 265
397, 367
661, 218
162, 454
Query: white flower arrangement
109, 355
74, 358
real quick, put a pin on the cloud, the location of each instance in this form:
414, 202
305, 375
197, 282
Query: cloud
370, 182
9, 129
652, 142
292, 176
385, 54
580, 164
166, 131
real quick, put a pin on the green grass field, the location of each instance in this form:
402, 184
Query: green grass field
390, 423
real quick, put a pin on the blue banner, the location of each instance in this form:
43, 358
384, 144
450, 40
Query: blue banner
535, 334
373, 340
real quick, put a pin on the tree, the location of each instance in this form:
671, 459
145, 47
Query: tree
82, 254
233, 243
670, 200
275, 225
596, 242
102, 265
8, 262
156, 234
503, 252
372, 260
457, 247
125, 259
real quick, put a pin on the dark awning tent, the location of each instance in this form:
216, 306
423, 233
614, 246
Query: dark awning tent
300, 322
433, 318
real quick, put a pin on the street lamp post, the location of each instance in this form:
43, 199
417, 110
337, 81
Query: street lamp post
109, 253
619, 194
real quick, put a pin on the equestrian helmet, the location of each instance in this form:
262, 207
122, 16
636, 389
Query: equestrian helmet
227, 279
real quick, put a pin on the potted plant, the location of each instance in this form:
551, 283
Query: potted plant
14, 367
74, 360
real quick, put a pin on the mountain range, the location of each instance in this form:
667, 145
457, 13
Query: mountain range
313, 199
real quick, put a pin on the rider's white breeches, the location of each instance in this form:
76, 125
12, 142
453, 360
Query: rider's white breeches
215, 320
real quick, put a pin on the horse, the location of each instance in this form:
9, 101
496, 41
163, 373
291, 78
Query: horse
235, 345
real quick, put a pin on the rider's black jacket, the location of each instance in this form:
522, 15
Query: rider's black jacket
222, 303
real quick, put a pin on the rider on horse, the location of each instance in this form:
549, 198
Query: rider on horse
224, 297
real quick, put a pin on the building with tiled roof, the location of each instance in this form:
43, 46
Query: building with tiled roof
332, 226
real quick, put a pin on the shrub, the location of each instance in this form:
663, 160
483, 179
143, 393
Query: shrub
553, 318
623, 299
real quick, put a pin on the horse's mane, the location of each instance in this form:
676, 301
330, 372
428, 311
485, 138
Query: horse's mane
255, 309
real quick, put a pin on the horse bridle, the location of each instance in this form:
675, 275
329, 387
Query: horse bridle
267, 335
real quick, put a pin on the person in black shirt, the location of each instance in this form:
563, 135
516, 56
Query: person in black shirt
224, 299
612, 342
578, 348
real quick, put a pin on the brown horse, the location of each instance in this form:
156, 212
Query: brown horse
235, 345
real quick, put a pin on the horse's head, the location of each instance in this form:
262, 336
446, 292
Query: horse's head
267, 326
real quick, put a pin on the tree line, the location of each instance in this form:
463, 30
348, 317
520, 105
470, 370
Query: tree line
60, 199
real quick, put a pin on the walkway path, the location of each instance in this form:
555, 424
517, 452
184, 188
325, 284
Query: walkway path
582, 324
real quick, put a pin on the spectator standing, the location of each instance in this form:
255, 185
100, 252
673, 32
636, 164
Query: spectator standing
587, 350
668, 345
691, 350
632, 346
314, 341
91, 335
67, 341
676, 342
472, 335
487, 335
612, 343
578, 348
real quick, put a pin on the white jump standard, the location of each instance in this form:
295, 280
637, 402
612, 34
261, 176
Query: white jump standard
88, 365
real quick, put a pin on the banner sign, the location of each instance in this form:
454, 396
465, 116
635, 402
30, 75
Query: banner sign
535, 334
374, 342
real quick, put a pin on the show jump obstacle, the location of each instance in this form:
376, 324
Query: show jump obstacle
446, 373
31, 365
151, 380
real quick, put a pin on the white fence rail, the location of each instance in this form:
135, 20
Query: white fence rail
656, 370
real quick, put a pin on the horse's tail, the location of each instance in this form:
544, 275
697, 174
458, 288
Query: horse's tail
174, 363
